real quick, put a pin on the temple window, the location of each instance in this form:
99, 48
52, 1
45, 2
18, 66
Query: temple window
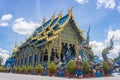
45, 55
56, 54
25, 60
50, 34
35, 60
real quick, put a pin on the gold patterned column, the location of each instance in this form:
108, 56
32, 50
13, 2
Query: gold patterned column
49, 53
76, 46
59, 47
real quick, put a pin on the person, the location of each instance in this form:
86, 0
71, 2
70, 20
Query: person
56, 54
52, 55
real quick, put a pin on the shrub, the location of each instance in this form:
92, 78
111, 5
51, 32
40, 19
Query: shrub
23, 68
29, 69
71, 66
52, 67
86, 68
3, 69
15, 68
18, 68
105, 67
8, 69
38, 68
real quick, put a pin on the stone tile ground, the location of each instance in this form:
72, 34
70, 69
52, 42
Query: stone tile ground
11, 76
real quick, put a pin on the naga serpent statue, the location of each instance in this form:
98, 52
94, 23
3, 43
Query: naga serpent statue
85, 46
105, 51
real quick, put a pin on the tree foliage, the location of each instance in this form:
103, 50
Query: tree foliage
105, 67
39, 68
52, 67
29, 69
86, 68
1, 60
71, 66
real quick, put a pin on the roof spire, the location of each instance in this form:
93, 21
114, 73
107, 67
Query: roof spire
43, 20
53, 16
60, 14
15, 47
88, 36
70, 10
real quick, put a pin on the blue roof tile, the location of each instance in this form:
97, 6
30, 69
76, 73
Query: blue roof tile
62, 20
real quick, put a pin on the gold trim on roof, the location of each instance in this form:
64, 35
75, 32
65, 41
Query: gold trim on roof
70, 15
52, 38
15, 49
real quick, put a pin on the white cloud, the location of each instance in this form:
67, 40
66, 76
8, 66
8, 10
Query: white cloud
3, 24
118, 8
82, 1
106, 3
6, 17
99, 46
4, 54
24, 27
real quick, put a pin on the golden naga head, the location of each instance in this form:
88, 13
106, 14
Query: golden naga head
90, 46
15, 49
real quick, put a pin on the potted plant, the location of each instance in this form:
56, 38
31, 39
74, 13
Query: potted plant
86, 69
23, 68
29, 69
52, 68
38, 69
105, 68
71, 67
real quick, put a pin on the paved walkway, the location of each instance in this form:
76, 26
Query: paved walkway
11, 76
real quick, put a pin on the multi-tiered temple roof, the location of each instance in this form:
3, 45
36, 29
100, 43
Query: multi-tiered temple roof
50, 29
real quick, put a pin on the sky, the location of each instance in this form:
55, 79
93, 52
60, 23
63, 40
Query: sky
19, 18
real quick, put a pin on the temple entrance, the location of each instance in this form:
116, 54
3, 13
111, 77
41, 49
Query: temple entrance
67, 52
25, 61
35, 60
45, 58
30, 60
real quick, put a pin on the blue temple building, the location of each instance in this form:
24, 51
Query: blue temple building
58, 39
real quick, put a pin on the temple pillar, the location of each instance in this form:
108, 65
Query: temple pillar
59, 46
32, 61
49, 54
27, 60
76, 46
38, 59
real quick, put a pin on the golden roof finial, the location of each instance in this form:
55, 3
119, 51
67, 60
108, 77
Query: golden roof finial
90, 46
43, 20
15, 49
60, 14
70, 10
53, 16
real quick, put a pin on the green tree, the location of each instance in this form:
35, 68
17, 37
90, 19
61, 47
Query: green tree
71, 66
29, 69
38, 68
86, 68
23, 68
1, 60
52, 67
105, 67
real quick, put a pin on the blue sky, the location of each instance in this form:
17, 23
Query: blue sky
18, 18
